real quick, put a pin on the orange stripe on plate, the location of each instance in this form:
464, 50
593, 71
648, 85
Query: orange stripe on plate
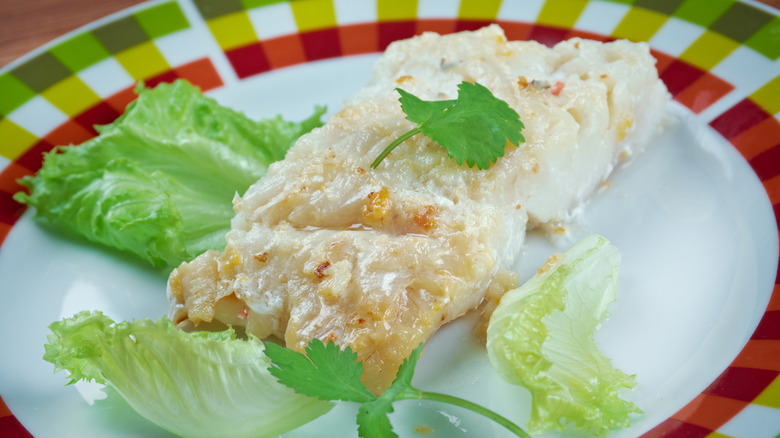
359, 38
284, 51
121, 99
201, 73
10, 174
710, 411
772, 186
703, 92
515, 31
758, 138
774, 300
442, 27
759, 353
4, 411
68, 133
662, 60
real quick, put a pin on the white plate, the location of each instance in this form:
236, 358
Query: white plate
692, 218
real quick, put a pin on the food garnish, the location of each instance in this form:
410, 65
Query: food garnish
159, 180
541, 337
200, 384
329, 373
474, 128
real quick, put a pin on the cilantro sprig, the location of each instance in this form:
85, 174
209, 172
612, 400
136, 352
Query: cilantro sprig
328, 373
474, 128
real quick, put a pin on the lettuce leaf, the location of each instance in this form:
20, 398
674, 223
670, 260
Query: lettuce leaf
159, 181
200, 384
541, 336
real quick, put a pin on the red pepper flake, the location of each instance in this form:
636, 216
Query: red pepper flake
320, 271
556, 89
242, 314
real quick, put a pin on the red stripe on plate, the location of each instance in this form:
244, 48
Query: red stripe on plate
100, 114
768, 327
741, 383
673, 428
765, 164
10, 210
167, 76
395, 30
679, 75
248, 60
463, 25
321, 44
547, 35
33, 157
739, 118
11, 428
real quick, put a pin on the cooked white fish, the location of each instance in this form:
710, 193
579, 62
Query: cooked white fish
325, 247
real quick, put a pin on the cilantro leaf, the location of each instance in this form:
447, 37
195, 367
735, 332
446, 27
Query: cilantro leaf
327, 367
372, 418
327, 373
373, 421
475, 128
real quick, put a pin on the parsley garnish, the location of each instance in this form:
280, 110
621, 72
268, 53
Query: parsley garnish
332, 374
474, 128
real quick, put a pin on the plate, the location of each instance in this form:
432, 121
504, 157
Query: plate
698, 311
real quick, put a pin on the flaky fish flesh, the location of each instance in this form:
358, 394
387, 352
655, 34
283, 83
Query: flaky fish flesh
378, 259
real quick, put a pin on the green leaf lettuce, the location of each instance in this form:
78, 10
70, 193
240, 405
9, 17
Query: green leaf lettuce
541, 337
201, 384
159, 180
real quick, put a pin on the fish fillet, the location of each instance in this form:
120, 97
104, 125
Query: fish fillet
325, 247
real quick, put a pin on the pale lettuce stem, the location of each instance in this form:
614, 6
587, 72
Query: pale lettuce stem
416, 394
392, 146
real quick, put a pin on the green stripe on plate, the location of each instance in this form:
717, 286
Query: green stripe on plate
41, 72
741, 21
662, 6
162, 19
80, 52
702, 12
767, 40
249, 4
216, 8
121, 34
15, 93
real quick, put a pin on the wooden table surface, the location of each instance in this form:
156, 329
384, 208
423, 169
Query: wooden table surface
27, 24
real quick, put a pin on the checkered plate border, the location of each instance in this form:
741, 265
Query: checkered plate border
56, 94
